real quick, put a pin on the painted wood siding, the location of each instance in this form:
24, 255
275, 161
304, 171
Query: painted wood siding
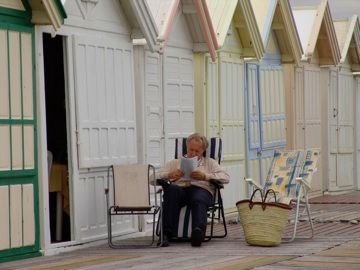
308, 114
105, 101
225, 109
341, 133
179, 115
266, 116
18, 171
154, 109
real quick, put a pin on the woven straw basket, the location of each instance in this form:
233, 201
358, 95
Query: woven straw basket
263, 222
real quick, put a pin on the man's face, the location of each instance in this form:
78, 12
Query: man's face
194, 149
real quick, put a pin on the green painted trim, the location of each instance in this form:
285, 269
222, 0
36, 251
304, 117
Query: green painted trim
25, 15
16, 122
14, 254
16, 27
36, 177
21, 179
61, 9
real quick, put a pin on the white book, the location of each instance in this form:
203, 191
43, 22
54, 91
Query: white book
187, 166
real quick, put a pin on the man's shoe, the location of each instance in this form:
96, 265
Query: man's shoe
196, 237
165, 242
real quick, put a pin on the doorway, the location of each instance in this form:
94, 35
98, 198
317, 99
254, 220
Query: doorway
56, 132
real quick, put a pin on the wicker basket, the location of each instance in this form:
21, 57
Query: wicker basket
263, 222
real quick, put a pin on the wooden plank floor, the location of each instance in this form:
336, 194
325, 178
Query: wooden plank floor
336, 245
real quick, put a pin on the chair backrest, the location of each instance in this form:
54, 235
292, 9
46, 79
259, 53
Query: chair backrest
131, 185
286, 166
283, 171
308, 164
214, 149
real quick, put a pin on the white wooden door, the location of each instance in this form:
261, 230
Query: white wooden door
178, 83
231, 124
308, 115
341, 119
105, 111
154, 109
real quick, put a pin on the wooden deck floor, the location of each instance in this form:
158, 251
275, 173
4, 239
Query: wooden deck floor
336, 245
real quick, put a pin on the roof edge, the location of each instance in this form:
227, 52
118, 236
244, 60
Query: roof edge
253, 27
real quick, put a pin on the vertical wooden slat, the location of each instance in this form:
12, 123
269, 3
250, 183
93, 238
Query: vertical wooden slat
5, 147
16, 212
4, 218
17, 147
15, 74
28, 215
29, 162
4, 82
27, 76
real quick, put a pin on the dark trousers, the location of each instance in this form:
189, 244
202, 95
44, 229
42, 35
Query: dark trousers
175, 197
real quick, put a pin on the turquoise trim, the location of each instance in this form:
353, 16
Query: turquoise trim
16, 122
16, 16
18, 179
30, 252
61, 9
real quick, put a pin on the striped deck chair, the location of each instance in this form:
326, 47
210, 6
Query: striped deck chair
290, 175
129, 194
216, 210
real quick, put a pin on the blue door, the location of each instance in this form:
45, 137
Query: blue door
265, 116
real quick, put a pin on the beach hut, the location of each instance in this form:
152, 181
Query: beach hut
339, 120
266, 114
19, 165
165, 79
220, 95
309, 83
86, 107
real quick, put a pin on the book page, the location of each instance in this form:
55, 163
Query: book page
187, 166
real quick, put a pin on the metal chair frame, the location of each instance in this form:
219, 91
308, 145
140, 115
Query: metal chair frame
114, 210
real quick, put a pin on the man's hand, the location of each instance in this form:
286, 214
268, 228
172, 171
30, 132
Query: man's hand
175, 175
198, 175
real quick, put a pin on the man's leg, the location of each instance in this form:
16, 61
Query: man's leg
199, 200
174, 199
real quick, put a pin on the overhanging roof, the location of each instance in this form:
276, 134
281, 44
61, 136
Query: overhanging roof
316, 30
223, 13
141, 21
197, 18
276, 16
47, 12
348, 35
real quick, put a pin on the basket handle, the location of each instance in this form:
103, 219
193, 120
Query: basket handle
266, 194
251, 203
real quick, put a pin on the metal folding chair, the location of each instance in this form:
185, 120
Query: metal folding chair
216, 210
131, 195
290, 175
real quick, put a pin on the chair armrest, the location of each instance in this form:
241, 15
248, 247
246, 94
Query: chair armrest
302, 182
252, 182
216, 183
162, 182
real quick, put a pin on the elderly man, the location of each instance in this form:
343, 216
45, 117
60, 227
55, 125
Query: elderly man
196, 194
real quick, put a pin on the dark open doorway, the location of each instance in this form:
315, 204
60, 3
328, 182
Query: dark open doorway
56, 131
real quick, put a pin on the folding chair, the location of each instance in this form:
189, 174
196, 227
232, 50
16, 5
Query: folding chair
216, 210
131, 195
290, 175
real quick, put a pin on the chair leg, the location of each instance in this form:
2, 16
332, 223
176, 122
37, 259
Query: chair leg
297, 216
307, 207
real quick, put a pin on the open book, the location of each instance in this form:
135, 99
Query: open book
187, 166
